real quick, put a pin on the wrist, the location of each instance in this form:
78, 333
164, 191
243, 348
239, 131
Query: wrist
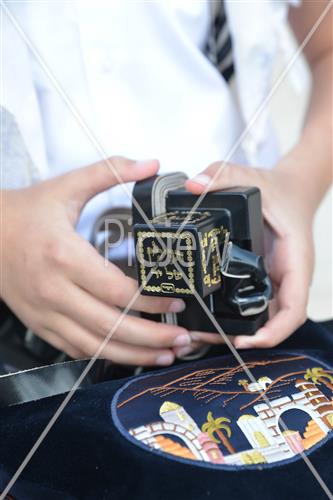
309, 163
306, 179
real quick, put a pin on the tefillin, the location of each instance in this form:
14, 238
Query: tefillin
212, 249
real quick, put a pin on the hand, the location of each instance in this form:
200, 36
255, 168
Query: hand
288, 241
59, 286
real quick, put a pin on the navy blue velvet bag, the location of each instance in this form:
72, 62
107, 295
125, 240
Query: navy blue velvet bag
199, 430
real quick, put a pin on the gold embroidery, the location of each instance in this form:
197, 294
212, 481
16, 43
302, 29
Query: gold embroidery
261, 440
173, 274
254, 457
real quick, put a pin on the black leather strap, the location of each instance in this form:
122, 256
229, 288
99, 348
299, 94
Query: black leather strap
38, 383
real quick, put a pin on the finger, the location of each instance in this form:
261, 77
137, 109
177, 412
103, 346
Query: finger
107, 282
207, 338
60, 343
100, 319
193, 348
122, 353
292, 299
221, 175
119, 352
84, 183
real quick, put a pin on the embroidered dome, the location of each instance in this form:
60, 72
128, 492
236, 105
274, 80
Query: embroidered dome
265, 379
246, 417
168, 406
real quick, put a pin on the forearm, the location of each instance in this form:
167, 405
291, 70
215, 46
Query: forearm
309, 163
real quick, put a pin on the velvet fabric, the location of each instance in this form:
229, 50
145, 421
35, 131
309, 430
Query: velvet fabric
85, 456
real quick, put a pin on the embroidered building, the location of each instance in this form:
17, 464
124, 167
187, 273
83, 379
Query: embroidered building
318, 400
260, 385
276, 444
177, 422
176, 414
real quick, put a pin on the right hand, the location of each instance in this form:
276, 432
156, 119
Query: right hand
57, 283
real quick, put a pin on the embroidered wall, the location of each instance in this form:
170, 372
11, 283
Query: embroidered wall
211, 412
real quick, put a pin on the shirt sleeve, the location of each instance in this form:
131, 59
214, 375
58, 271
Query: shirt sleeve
18, 169
20, 111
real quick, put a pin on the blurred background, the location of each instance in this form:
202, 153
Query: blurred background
287, 120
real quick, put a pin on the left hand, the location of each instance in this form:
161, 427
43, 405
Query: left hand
288, 241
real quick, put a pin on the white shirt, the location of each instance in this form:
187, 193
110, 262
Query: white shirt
130, 78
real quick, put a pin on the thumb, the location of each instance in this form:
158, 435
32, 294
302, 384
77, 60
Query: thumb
82, 184
221, 175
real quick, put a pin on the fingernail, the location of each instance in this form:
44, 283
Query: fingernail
181, 340
177, 306
165, 359
183, 351
201, 179
143, 163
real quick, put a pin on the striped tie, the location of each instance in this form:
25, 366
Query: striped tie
219, 44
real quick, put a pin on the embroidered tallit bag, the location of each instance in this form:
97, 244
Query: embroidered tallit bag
199, 430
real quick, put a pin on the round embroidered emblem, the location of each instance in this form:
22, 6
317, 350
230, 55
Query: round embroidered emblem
211, 414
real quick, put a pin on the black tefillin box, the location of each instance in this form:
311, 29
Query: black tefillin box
209, 249
179, 254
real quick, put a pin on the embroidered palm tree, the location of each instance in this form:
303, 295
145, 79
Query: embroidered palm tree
218, 426
318, 376
244, 383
